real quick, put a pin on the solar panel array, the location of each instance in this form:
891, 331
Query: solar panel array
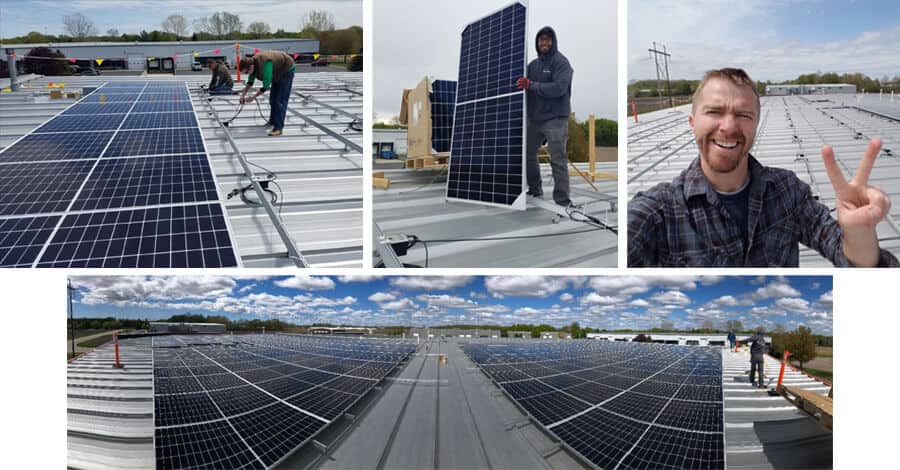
617, 404
443, 103
119, 179
249, 401
487, 159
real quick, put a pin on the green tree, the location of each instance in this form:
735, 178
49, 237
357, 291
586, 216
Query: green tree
317, 21
802, 345
44, 61
576, 331
577, 145
79, 26
258, 29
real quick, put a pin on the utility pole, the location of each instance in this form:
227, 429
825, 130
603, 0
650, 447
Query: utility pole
665, 55
71, 315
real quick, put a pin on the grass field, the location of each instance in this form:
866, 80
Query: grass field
822, 374
94, 342
82, 333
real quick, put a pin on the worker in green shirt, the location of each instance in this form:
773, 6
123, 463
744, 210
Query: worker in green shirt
276, 70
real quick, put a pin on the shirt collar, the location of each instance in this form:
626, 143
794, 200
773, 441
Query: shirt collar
696, 184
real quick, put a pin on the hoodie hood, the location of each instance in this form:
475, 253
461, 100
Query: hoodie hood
552, 33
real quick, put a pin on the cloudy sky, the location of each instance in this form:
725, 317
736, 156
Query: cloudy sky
610, 302
19, 17
772, 39
414, 38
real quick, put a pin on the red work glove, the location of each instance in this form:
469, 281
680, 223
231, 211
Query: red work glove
523, 83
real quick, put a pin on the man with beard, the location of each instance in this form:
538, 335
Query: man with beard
728, 210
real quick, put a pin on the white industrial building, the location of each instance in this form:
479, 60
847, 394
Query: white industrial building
685, 339
817, 89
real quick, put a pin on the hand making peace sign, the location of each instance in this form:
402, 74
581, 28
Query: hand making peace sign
859, 206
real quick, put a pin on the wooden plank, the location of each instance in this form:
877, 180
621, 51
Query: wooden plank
382, 183
378, 174
818, 406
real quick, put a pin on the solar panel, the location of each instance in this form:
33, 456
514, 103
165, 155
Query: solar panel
487, 152
272, 403
443, 103
618, 405
114, 188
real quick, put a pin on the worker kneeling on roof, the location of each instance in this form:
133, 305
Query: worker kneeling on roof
276, 70
727, 209
548, 86
221, 83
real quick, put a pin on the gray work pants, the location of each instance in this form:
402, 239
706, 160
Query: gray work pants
556, 131
757, 364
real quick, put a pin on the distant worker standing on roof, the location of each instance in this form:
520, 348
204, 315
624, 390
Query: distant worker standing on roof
731, 339
221, 82
757, 356
276, 70
548, 86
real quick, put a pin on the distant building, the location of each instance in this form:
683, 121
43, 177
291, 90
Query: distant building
817, 89
519, 334
340, 330
190, 328
431, 333
684, 339
388, 140
555, 335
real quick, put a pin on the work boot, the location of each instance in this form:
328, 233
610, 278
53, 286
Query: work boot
274, 133
535, 192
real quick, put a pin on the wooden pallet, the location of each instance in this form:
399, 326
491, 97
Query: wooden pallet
427, 161
818, 406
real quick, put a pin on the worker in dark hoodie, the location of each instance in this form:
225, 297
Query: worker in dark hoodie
548, 87
276, 71
221, 82
758, 349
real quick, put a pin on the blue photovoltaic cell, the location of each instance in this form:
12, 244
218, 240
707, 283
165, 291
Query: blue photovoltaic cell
443, 102
159, 120
492, 55
39, 147
99, 108
486, 152
57, 183
22, 239
161, 106
176, 237
155, 142
135, 182
73, 164
209, 445
486, 160
100, 122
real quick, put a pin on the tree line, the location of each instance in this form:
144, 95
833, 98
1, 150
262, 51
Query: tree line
648, 88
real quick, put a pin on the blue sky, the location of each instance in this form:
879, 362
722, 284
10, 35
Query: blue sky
132, 16
611, 302
772, 39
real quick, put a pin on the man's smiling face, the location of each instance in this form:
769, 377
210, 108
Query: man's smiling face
724, 118
545, 43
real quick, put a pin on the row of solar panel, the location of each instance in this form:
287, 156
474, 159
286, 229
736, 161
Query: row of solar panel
111, 122
232, 413
615, 411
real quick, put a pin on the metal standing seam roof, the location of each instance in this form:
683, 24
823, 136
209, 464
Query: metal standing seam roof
320, 176
764, 432
791, 133
110, 411
415, 204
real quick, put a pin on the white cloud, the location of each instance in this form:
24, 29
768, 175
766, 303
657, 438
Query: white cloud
444, 300
629, 285
122, 290
671, 298
640, 303
401, 304
566, 297
305, 282
826, 300
430, 282
796, 305
596, 299
778, 288
382, 297
528, 286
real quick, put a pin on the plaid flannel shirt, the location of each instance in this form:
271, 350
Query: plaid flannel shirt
684, 223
